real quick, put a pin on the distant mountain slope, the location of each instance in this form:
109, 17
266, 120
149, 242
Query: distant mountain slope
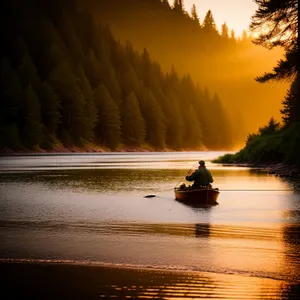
218, 60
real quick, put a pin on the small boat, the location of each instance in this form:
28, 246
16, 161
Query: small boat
204, 196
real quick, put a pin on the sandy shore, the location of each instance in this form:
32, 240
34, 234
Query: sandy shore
67, 281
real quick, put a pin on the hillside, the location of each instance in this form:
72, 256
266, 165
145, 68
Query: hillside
66, 79
214, 57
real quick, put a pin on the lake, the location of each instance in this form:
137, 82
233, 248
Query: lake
85, 216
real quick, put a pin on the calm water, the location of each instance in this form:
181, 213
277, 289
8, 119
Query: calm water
90, 209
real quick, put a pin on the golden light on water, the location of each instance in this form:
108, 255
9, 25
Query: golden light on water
192, 285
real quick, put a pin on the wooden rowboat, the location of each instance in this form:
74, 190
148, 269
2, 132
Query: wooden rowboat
204, 196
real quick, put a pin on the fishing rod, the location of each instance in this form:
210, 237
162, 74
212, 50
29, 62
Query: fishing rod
186, 174
152, 195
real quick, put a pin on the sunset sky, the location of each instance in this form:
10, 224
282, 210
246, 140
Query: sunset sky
236, 13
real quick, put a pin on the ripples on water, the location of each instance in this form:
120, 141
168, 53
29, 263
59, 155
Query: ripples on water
89, 209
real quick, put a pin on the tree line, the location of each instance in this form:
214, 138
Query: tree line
215, 57
64, 77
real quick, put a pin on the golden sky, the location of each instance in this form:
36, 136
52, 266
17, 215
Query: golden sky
236, 13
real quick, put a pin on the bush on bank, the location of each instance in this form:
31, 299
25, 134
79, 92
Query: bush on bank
281, 145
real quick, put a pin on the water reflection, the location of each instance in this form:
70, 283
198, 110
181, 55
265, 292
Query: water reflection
291, 238
202, 230
154, 180
291, 291
101, 215
111, 181
198, 207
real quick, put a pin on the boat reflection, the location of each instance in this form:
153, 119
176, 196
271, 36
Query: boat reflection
198, 206
202, 230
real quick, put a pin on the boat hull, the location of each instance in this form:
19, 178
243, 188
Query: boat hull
199, 196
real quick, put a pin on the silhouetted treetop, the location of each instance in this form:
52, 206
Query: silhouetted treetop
194, 15
209, 22
277, 24
276, 21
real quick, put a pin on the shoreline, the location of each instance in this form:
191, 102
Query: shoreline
92, 148
279, 169
55, 281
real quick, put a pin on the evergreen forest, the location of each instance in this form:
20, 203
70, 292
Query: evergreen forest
224, 61
65, 78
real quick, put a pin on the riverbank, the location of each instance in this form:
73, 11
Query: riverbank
91, 148
283, 170
279, 166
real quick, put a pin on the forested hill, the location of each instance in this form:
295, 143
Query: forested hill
65, 78
214, 56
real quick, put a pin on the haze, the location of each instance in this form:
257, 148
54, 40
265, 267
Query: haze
236, 13
229, 71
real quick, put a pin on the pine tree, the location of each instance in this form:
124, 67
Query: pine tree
178, 6
201, 109
104, 47
291, 104
90, 115
222, 125
209, 22
146, 68
272, 127
225, 31
119, 60
156, 79
194, 15
110, 80
165, 4
193, 132
174, 121
154, 119
31, 126
281, 18
72, 102
50, 108
71, 40
92, 69
27, 70
133, 124
130, 82
108, 129
207, 122
50, 50
245, 36
232, 35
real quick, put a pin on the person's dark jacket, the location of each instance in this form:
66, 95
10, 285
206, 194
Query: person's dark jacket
201, 177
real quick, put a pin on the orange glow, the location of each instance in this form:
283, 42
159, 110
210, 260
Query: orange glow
235, 13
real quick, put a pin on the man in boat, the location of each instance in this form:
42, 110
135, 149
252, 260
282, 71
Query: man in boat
202, 177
